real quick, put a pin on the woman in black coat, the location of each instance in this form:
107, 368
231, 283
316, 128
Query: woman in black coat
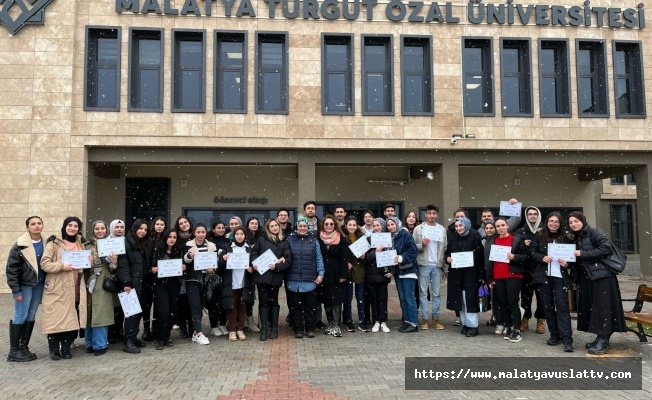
376, 281
600, 307
166, 290
463, 283
333, 290
270, 282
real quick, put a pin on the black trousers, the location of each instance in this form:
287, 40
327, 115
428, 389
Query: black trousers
527, 292
267, 295
193, 288
215, 316
506, 293
302, 310
133, 323
146, 300
378, 301
554, 301
166, 299
183, 319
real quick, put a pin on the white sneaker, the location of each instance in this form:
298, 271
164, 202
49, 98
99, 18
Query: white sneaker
224, 330
499, 329
216, 331
175, 326
200, 339
376, 327
384, 327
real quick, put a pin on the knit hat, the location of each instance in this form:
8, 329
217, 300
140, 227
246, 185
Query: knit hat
302, 219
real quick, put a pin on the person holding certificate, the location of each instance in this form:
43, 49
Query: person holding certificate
406, 257
184, 231
60, 319
356, 266
464, 281
333, 289
269, 278
254, 232
25, 278
236, 286
116, 330
376, 281
600, 307
552, 279
156, 229
194, 279
99, 305
216, 317
504, 276
166, 290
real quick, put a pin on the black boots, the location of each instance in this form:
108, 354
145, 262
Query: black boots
147, 334
274, 312
591, 344
53, 344
25, 336
601, 345
264, 322
130, 346
66, 343
15, 353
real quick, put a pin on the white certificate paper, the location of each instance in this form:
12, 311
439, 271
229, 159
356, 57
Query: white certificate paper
510, 210
205, 260
129, 303
78, 259
385, 258
499, 253
263, 261
554, 269
359, 247
383, 239
463, 259
237, 261
111, 245
564, 251
432, 233
167, 268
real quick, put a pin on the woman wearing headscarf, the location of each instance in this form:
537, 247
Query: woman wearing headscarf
99, 304
406, 250
116, 333
376, 281
552, 279
600, 307
61, 290
25, 278
333, 289
463, 283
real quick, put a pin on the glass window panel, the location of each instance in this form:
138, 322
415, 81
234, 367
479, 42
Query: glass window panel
149, 88
231, 90
107, 50
510, 60
107, 81
231, 54
548, 61
548, 91
337, 56
149, 51
376, 92
413, 58
190, 85
472, 59
585, 94
190, 53
473, 95
584, 60
511, 96
624, 96
271, 91
375, 56
337, 92
620, 65
414, 87
271, 55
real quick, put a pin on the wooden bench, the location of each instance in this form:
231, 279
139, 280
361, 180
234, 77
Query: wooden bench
644, 295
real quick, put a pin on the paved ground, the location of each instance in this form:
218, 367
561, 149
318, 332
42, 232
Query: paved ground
358, 365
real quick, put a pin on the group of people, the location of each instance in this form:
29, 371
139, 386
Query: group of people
317, 269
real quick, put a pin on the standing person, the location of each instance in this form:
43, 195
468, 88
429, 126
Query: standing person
528, 232
25, 278
333, 290
463, 283
406, 258
340, 216
234, 222
116, 332
356, 279
283, 217
487, 241
194, 279
271, 280
310, 212
505, 280
166, 290
600, 307
156, 229
431, 266
217, 317
552, 279
411, 221
368, 219
236, 287
254, 232
376, 281
450, 232
132, 266
184, 231
487, 214
99, 304
61, 290
305, 273
389, 210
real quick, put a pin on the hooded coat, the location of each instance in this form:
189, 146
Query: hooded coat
528, 232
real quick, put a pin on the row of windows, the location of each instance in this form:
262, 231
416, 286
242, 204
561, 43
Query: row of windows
271, 62
628, 179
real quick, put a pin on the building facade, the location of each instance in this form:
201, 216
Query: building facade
124, 108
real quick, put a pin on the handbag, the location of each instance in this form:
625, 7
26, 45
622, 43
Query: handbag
111, 284
484, 298
211, 287
616, 261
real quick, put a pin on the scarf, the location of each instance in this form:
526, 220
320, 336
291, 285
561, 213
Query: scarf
399, 225
64, 235
467, 226
332, 239
96, 258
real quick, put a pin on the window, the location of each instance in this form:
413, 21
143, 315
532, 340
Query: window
554, 88
477, 66
230, 72
416, 75
102, 83
189, 71
591, 79
628, 80
516, 77
337, 74
272, 73
145, 70
631, 179
618, 180
377, 75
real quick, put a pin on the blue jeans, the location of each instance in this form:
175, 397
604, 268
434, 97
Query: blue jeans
429, 274
26, 310
96, 337
359, 298
408, 300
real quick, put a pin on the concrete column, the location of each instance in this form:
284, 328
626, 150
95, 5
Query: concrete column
644, 216
449, 187
306, 181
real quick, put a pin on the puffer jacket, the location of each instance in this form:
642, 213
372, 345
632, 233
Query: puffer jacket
133, 265
306, 257
405, 247
594, 245
539, 249
280, 249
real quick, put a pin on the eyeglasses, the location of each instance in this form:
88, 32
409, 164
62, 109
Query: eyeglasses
329, 224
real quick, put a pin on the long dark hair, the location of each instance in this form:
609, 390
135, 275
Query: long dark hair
176, 228
143, 243
176, 249
549, 237
251, 236
152, 231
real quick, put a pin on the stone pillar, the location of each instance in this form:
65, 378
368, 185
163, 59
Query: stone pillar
644, 216
449, 184
306, 181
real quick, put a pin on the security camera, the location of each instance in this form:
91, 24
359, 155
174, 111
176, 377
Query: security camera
453, 140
